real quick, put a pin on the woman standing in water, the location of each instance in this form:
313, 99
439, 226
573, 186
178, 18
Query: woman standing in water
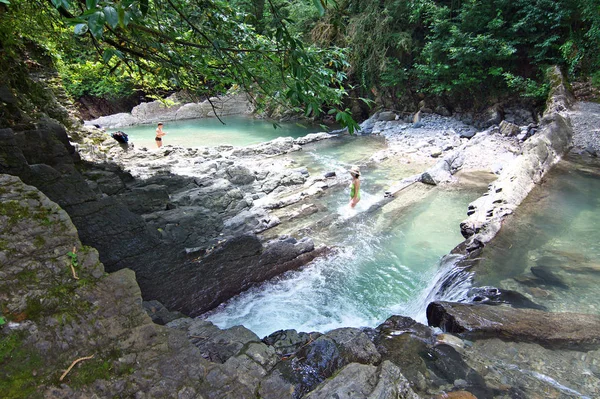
159, 135
354, 186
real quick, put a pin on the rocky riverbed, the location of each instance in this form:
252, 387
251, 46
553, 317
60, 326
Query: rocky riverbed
196, 227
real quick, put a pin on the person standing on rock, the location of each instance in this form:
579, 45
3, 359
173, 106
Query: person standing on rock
159, 135
354, 186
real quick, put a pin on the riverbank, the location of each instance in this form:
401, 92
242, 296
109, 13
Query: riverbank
144, 211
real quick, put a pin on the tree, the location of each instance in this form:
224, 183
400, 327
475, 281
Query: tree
205, 47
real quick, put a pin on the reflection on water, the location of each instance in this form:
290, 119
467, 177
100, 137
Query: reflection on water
383, 260
210, 132
550, 249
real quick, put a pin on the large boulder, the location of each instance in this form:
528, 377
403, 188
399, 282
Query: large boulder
215, 344
366, 381
552, 330
240, 174
509, 129
233, 266
443, 171
62, 307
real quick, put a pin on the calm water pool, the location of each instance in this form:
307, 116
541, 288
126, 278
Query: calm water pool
554, 234
209, 132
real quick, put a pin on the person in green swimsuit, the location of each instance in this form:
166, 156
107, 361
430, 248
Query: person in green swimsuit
354, 186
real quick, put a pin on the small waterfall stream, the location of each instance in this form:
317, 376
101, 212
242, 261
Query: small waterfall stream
385, 262
396, 261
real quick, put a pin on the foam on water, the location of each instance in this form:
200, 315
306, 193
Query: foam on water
372, 275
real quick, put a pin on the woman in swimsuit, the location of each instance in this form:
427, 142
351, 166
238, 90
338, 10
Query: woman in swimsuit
354, 186
159, 135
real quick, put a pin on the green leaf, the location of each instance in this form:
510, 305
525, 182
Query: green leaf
81, 29
96, 24
91, 4
7, 3
320, 7
108, 54
121, 12
2, 319
111, 16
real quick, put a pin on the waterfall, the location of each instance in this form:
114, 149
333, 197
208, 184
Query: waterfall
451, 282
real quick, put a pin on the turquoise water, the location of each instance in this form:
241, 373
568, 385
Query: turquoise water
373, 275
383, 262
549, 251
556, 230
209, 132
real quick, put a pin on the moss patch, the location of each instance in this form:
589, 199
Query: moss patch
19, 367
16, 212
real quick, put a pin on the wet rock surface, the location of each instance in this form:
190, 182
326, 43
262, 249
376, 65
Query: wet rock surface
232, 267
552, 330
153, 224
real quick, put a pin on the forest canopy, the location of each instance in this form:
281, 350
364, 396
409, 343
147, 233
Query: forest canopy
317, 56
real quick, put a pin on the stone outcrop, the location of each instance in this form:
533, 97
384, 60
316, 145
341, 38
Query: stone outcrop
540, 153
61, 306
553, 330
365, 381
151, 225
230, 268
177, 107
443, 171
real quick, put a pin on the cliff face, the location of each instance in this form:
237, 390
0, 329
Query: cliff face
60, 306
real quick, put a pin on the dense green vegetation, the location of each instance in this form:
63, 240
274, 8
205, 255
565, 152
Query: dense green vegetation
478, 49
312, 55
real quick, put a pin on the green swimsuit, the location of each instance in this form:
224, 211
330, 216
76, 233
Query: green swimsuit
352, 191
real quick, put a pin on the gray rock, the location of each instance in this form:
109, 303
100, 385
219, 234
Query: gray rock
518, 116
365, 381
492, 116
539, 153
367, 126
468, 134
436, 152
240, 175
386, 116
108, 182
441, 110
253, 220
115, 121
287, 342
219, 345
160, 314
104, 312
274, 386
146, 199
552, 330
509, 129
442, 171
229, 268
354, 346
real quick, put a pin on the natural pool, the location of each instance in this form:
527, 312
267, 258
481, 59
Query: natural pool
210, 132
384, 261
550, 248
549, 251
